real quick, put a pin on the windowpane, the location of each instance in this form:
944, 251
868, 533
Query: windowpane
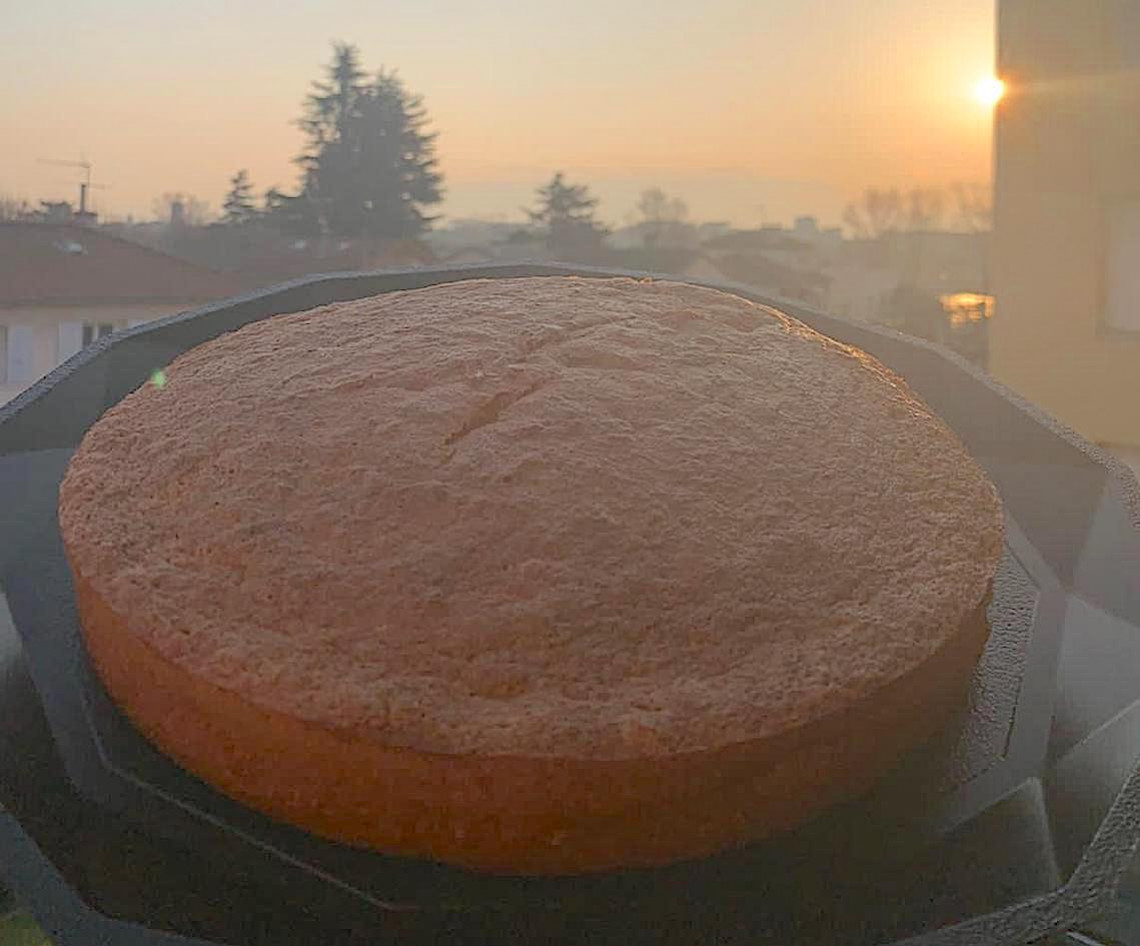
21, 354
69, 340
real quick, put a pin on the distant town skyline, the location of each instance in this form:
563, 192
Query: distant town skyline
749, 110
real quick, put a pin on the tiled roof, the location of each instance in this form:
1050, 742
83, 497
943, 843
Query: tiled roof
62, 264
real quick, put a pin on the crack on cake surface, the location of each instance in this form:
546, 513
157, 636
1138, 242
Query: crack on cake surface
491, 410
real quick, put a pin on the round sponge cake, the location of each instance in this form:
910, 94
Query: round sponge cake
542, 575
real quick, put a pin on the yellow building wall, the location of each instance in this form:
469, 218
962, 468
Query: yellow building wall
1067, 149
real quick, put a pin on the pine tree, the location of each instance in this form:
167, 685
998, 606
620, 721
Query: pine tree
238, 207
566, 215
369, 167
292, 214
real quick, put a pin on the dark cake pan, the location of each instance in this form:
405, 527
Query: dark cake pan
1018, 818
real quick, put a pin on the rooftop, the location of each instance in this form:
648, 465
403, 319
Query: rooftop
46, 264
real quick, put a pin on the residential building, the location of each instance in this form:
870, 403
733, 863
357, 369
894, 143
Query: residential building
1066, 327
63, 286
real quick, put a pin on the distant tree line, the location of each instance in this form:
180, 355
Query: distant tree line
964, 206
368, 168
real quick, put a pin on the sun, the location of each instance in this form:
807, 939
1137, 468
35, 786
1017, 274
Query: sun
988, 91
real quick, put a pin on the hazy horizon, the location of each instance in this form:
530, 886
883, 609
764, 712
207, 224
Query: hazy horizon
750, 110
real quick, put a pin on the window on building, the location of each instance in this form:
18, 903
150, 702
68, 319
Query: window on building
69, 340
19, 355
1122, 279
96, 330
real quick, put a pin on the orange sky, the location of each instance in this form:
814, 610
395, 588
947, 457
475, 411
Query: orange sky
751, 110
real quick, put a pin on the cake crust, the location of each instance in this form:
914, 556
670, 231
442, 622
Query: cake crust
536, 575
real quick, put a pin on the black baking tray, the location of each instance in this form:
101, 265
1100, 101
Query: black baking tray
1017, 819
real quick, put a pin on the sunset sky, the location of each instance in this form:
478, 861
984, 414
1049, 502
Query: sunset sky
750, 110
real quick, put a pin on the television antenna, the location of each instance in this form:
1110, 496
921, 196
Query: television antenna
85, 185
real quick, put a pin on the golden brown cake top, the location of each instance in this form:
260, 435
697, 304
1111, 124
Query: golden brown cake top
553, 516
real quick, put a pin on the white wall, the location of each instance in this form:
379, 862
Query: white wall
34, 339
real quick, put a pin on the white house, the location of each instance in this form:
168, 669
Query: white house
62, 286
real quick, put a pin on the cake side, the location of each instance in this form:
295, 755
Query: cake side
514, 814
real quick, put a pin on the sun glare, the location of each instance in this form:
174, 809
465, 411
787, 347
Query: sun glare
988, 91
